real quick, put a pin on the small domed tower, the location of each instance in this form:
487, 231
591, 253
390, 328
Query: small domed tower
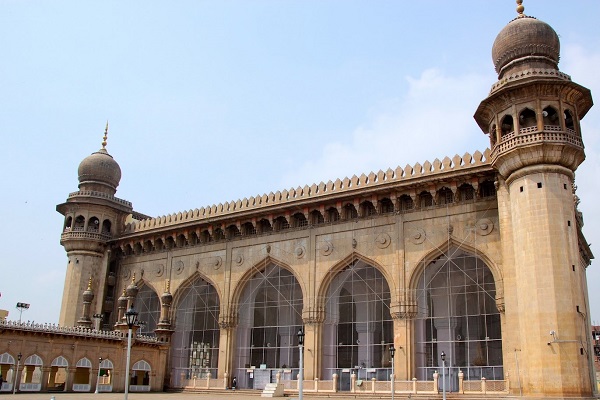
532, 116
93, 216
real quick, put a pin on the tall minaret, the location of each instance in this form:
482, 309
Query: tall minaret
93, 216
532, 115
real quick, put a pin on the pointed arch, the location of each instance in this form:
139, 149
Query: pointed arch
345, 262
357, 329
178, 290
439, 251
456, 294
259, 267
268, 301
196, 337
148, 306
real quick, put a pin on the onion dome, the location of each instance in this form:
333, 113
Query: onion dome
525, 43
132, 290
166, 298
88, 294
99, 170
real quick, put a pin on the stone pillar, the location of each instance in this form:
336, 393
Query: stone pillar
45, 378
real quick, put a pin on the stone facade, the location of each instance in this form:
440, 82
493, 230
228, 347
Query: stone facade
480, 257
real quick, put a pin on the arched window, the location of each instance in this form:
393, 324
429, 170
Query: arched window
280, 224
106, 371
148, 307
358, 328
58, 374
367, 209
205, 236
233, 231
248, 229
68, 223
386, 205
507, 126
466, 192
137, 248
569, 122
93, 225
31, 378
406, 203
350, 211
181, 240
195, 344
159, 245
425, 199
299, 220
527, 119
194, 239
106, 226
81, 378
169, 242
140, 376
445, 196
264, 226
457, 314
316, 217
332, 214
79, 223
270, 315
218, 234
550, 118
487, 189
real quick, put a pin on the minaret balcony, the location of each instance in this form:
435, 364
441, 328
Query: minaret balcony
80, 234
530, 146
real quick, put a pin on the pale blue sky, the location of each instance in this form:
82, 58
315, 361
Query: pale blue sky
214, 101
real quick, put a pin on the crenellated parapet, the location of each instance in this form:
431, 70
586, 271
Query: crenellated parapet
409, 175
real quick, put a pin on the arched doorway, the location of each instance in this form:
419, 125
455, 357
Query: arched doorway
58, 374
82, 378
195, 344
270, 315
358, 328
31, 377
457, 314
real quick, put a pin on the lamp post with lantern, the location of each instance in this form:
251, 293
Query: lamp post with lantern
443, 356
393, 377
301, 365
131, 318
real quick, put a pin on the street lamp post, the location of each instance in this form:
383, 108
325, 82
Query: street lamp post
21, 307
17, 372
131, 318
392, 353
443, 355
301, 365
98, 377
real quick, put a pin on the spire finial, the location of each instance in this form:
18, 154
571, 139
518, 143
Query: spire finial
168, 286
133, 279
105, 136
520, 8
90, 283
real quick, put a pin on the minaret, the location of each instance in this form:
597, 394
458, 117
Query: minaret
532, 115
93, 216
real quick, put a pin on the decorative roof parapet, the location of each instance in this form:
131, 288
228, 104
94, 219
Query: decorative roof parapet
345, 186
32, 326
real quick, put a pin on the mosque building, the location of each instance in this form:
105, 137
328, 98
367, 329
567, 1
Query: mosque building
480, 257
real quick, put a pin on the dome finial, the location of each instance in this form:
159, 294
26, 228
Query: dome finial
90, 283
520, 8
105, 136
